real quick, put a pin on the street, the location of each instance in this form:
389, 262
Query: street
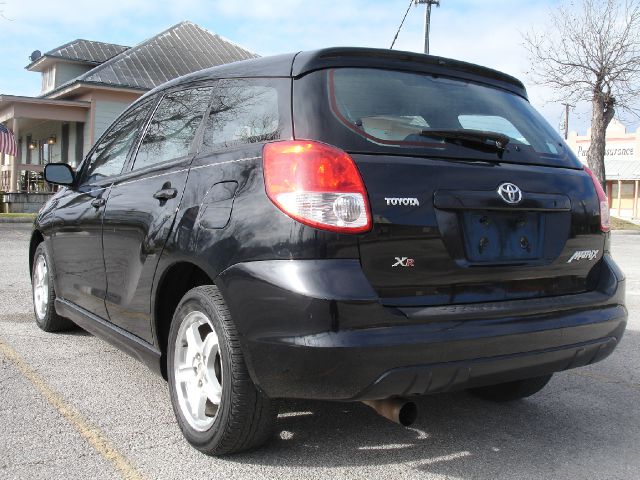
72, 406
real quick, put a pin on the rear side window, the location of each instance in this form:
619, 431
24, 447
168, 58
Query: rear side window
243, 111
173, 126
110, 155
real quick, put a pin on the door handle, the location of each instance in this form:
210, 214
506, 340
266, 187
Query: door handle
165, 194
98, 202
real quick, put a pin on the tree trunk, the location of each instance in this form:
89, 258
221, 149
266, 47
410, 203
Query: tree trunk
603, 111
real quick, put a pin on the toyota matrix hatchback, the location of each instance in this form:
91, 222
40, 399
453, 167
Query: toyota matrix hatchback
345, 224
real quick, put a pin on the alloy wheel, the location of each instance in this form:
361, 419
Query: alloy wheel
198, 370
41, 287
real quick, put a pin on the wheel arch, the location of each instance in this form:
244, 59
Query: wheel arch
175, 280
36, 239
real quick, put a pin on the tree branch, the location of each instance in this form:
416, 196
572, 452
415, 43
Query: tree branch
590, 50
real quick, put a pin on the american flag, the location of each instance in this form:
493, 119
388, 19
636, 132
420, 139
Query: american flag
7, 141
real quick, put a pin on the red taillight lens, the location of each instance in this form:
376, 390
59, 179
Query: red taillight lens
605, 218
316, 184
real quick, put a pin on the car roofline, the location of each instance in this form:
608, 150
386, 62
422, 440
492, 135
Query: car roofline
306, 62
298, 64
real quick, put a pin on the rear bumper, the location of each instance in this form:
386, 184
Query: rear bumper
316, 329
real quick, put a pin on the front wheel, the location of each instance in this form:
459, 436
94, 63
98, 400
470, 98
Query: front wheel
44, 294
218, 408
511, 391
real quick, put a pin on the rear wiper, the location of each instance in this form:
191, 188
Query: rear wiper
479, 139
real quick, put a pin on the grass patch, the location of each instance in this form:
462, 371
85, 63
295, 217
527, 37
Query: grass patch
620, 224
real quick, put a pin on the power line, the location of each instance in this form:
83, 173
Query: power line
401, 23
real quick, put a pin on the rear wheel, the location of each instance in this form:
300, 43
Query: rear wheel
218, 408
510, 391
44, 295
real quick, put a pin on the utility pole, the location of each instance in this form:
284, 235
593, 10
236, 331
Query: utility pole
427, 20
566, 119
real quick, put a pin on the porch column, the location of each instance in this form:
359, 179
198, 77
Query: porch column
619, 195
15, 172
635, 200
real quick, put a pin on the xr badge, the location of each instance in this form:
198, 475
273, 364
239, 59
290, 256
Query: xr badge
404, 262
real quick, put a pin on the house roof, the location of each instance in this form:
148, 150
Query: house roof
179, 50
84, 51
617, 169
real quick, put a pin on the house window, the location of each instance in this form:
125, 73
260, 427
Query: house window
32, 182
6, 181
64, 144
79, 147
29, 143
44, 152
628, 190
48, 78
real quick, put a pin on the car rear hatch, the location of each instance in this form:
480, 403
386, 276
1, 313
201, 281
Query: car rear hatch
474, 197
460, 242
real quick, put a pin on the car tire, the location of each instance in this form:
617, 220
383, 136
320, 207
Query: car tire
205, 364
44, 295
511, 391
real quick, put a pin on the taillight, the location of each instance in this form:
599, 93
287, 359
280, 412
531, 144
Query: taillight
316, 184
605, 218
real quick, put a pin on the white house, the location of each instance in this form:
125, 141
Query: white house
622, 166
85, 86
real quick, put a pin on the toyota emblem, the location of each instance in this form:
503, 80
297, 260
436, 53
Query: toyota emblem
510, 193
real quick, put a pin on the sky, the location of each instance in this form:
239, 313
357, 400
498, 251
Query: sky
486, 32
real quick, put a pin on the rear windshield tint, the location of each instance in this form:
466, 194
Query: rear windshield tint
396, 110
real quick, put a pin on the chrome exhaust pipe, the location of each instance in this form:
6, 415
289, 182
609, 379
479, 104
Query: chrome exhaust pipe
397, 410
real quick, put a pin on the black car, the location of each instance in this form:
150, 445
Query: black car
345, 224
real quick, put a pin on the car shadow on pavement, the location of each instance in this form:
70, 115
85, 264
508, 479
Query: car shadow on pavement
76, 332
578, 417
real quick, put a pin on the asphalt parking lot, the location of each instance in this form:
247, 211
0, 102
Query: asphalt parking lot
72, 406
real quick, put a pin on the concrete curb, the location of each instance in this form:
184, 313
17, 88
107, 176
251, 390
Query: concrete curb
17, 220
625, 232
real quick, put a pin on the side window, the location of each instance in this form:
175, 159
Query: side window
173, 126
110, 154
242, 112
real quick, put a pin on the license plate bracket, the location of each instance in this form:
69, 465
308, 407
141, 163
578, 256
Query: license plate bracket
499, 237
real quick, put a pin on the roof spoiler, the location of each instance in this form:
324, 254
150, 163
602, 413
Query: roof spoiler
306, 62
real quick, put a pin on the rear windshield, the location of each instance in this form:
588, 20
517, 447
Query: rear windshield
395, 111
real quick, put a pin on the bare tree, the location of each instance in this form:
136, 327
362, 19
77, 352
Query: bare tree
590, 51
